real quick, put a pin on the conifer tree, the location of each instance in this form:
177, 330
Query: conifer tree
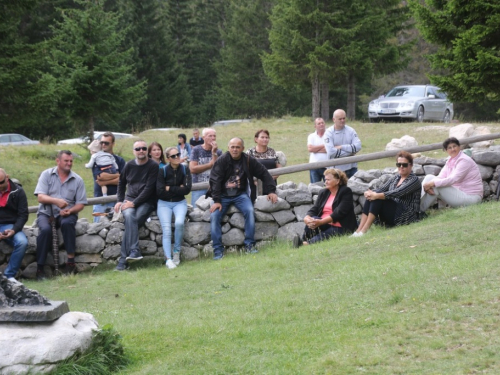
468, 35
95, 75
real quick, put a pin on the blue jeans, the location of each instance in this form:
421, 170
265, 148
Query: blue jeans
20, 243
134, 218
195, 195
243, 203
317, 175
351, 172
164, 211
101, 208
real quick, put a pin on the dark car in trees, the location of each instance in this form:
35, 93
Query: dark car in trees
413, 102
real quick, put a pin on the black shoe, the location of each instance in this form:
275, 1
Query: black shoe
121, 267
297, 242
70, 269
40, 275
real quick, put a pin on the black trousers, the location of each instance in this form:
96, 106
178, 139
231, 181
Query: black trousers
384, 210
44, 239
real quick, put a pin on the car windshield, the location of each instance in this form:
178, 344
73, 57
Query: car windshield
407, 91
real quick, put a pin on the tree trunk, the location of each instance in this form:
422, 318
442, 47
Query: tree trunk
351, 97
315, 96
325, 100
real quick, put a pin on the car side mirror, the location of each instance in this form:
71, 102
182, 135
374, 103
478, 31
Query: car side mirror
432, 96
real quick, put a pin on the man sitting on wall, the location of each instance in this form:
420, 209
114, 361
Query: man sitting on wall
231, 182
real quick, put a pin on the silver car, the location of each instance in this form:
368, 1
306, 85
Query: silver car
16, 140
414, 102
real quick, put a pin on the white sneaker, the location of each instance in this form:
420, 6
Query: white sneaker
357, 234
14, 281
177, 258
170, 264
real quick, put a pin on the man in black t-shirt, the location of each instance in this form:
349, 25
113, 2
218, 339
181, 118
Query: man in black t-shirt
231, 182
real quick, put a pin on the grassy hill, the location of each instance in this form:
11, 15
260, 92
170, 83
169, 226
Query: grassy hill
420, 299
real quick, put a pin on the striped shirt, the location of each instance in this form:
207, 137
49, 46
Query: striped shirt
406, 195
348, 139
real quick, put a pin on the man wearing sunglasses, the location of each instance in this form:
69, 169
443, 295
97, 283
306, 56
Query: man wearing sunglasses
13, 216
107, 143
136, 199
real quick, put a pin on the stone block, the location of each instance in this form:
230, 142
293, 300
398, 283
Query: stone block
154, 226
262, 204
490, 158
283, 217
237, 220
115, 235
189, 253
300, 197
288, 231
432, 169
88, 258
301, 211
197, 233
111, 252
266, 231
233, 237
147, 247
263, 216
89, 244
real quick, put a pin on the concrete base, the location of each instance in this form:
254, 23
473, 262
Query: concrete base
39, 313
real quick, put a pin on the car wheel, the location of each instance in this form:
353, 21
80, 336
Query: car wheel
420, 114
447, 117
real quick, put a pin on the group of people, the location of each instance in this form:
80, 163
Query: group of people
402, 199
158, 179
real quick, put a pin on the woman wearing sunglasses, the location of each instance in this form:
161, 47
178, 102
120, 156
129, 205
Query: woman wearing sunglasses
397, 202
172, 186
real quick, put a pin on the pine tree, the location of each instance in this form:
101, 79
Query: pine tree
326, 43
27, 95
243, 88
168, 99
468, 35
95, 75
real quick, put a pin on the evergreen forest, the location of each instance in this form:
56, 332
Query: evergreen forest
68, 67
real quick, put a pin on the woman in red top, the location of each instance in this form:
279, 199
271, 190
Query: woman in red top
332, 213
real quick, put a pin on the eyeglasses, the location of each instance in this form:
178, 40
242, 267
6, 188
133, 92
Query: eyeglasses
402, 165
104, 143
2, 182
140, 149
174, 156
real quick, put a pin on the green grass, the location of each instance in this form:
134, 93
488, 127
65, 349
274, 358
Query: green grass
420, 299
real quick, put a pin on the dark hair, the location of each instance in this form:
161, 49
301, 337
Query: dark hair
60, 153
109, 134
337, 173
447, 142
406, 155
183, 136
261, 131
162, 158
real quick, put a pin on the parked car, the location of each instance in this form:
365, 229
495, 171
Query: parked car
414, 102
97, 135
16, 140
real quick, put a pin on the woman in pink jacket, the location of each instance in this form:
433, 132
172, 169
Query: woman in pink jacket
458, 184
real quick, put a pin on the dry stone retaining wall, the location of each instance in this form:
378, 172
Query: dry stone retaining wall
98, 243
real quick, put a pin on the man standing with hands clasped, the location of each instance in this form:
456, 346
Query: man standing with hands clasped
232, 182
342, 141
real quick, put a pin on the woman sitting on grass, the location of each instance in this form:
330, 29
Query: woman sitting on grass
458, 184
397, 202
332, 213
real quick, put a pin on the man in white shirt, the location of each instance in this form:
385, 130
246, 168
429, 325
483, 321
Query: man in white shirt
317, 151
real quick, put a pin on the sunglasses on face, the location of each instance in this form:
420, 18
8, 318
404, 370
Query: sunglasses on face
174, 156
402, 165
140, 149
104, 143
2, 182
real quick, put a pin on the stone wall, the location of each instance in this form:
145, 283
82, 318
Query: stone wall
98, 243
